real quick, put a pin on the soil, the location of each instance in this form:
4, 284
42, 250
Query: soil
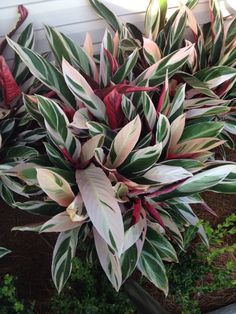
31, 256
30, 259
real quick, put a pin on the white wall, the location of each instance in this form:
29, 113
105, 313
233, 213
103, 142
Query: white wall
76, 17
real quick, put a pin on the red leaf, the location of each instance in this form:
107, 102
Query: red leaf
123, 89
9, 86
155, 214
113, 63
136, 211
69, 113
182, 156
166, 190
115, 114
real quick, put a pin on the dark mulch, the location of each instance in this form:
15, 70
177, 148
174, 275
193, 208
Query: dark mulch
30, 259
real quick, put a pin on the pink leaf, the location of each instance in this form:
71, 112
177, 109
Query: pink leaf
113, 63
101, 205
55, 186
9, 86
115, 114
155, 214
137, 210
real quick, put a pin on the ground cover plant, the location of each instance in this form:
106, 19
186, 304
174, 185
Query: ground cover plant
121, 165
10, 301
205, 271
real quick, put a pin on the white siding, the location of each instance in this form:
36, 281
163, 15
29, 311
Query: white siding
76, 17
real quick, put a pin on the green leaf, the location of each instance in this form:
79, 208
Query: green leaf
105, 66
231, 33
176, 107
126, 67
39, 207
56, 157
56, 123
215, 76
128, 108
162, 245
201, 130
4, 251
83, 92
56, 43
149, 110
187, 213
197, 84
63, 253
176, 31
45, 72
201, 181
31, 105
155, 17
151, 266
156, 73
141, 160
6, 194
217, 31
106, 14
163, 130
27, 40
109, 260
63, 47
19, 153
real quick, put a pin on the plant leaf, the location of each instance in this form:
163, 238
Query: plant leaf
109, 260
63, 253
101, 205
55, 186
124, 142
83, 92
45, 72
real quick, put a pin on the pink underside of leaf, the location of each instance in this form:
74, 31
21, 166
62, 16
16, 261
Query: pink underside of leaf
68, 156
223, 88
182, 156
136, 211
123, 89
112, 61
50, 94
161, 99
115, 114
9, 86
69, 113
154, 213
167, 190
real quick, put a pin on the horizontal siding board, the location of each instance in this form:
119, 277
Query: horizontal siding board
76, 17
58, 12
95, 27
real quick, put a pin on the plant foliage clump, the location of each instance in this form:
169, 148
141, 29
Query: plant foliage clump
123, 160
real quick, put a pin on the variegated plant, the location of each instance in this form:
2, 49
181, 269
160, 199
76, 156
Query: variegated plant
209, 73
121, 169
17, 139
